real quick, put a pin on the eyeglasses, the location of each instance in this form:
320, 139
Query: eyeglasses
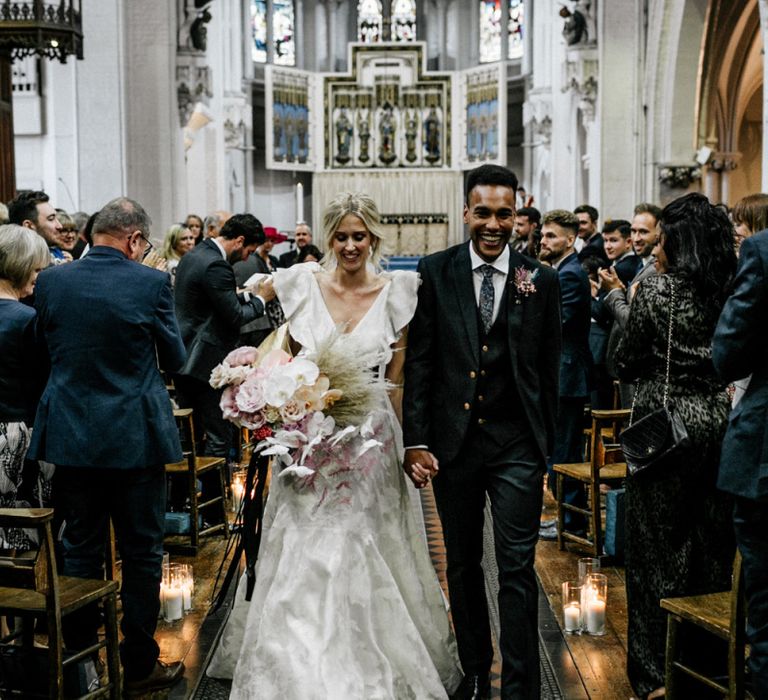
149, 245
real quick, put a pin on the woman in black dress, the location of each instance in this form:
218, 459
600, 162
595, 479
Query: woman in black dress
679, 533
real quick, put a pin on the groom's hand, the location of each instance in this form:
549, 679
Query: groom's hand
420, 465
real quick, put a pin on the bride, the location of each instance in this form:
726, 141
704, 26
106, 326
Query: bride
346, 604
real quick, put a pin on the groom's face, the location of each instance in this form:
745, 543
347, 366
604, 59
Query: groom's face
490, 216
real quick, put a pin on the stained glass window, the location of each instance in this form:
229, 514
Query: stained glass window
516, 24
404, 20
369, 21
490, 30
259, 30
283, 32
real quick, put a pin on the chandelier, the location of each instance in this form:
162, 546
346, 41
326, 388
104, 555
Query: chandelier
51, 29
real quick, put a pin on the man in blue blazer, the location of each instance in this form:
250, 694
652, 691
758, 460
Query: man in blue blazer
740, 348
105, 420
558, 235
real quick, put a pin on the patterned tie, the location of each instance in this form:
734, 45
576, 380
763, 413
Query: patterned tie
486, 297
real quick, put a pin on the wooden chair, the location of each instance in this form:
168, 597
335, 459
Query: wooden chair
722, 614
30, 588
604, 465
192, 467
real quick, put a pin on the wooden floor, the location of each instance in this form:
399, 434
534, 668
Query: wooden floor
585, 666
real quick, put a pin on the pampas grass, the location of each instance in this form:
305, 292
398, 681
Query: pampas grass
341, 359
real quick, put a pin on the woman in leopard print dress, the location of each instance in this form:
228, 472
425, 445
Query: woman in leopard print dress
679, 531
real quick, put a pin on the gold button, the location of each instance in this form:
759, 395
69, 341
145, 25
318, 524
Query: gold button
481, 398
481, 421
482, 372
485, 348
466, 406
472, 374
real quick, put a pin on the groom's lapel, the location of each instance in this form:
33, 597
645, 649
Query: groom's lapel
514, 310
465, 295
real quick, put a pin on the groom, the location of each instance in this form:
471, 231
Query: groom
481, 387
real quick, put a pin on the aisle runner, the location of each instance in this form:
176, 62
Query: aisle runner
212, 689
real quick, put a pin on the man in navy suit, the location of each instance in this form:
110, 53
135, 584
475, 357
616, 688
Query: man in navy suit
558, 236
105, 419
480, 399
740, 348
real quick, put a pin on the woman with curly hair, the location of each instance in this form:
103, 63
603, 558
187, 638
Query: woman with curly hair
679, 536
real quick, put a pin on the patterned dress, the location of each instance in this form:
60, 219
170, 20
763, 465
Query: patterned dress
679, 530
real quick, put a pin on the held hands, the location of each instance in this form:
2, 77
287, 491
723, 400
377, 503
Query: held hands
609, 279
420, 465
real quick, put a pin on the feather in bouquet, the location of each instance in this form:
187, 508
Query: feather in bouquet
292, 404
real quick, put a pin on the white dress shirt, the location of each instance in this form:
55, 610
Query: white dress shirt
501, 266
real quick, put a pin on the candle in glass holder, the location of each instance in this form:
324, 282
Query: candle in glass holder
187, 586
594, 605
174, 603
238, 489
572, 606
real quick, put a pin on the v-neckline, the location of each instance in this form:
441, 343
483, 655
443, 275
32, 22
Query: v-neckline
365, 315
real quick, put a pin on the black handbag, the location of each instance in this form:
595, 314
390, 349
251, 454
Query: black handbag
660, 435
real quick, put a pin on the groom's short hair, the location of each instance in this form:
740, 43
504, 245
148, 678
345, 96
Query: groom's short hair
490, 175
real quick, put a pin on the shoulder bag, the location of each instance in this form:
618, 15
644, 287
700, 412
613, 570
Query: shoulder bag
660, 435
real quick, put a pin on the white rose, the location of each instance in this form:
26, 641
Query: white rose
278, 388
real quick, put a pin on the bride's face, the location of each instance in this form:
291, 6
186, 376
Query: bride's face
351, 244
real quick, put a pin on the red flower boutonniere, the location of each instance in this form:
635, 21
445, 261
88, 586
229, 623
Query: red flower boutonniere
523, 281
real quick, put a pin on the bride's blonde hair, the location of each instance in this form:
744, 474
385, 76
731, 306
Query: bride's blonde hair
363, 207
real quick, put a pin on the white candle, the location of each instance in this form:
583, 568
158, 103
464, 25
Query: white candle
572, 616
596, 617
238, 491
186, 592
299, 203
174, 603
162, 600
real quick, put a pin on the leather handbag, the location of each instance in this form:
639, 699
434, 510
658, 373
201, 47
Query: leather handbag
651, 441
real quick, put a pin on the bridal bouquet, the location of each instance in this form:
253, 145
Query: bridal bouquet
293, 404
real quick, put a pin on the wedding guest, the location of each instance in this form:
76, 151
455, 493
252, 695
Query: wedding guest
22, 372
750, 215
310, 253
195, 224
740, 346
679, 535
68, 234
81, 245
34, 210
105, 420
179, 240
302, 235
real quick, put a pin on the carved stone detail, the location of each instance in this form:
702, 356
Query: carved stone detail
679, 176
193, 84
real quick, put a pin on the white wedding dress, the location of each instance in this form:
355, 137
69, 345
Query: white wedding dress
346, 604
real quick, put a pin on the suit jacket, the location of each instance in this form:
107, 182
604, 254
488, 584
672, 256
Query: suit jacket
289, 258
443, 353
107, 322
617, 301
740, 348
576, 302
209, 309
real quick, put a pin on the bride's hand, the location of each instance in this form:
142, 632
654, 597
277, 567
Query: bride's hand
420, 465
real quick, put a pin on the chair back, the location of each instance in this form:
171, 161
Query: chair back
33, 570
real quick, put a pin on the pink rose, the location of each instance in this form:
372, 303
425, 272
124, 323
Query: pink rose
228, 403
293, 411
245, 355
250, 398
252, 421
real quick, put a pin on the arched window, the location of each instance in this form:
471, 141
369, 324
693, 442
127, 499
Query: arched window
282, 41
490, 29
404, 20
369, 21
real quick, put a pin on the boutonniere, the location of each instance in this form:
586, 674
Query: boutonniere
523, 281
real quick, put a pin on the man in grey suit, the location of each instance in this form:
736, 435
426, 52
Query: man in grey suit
481, 388
211, 313
105, 419
740, 348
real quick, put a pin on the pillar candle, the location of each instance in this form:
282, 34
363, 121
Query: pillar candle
572, 616
174, 603
299, 203
595, 615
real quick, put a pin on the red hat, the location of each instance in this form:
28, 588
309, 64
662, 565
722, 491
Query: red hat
274, 235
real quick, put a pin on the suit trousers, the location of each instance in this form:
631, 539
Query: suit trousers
204, 400
569, 448
135, 500
751, 524
514, 485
